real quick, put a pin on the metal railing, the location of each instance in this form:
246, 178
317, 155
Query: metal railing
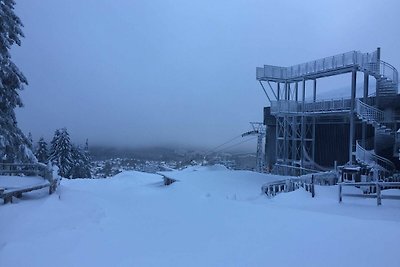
388, 71
353, 58
382, 69
365, 61
370, 158
273, 188
369, 113
305, 181
291, 106
378, 186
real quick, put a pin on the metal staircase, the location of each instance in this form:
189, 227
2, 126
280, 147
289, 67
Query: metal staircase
386, 76
374, 117
296, 119
369, 158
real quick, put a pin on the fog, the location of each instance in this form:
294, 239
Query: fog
177, 73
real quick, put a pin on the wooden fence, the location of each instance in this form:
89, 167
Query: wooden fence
38, 169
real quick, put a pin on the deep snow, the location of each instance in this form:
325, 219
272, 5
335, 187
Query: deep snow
210, 217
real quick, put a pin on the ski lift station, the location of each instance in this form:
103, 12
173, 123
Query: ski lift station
306, 134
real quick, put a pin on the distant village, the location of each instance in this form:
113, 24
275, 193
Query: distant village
166, 160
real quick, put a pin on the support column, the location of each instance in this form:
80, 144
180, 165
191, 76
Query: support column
303, 130
279, 91
296, 88
365, 97
313, 125
286, 91
378, 60
351, 114
285, 140
294, 139
315, 91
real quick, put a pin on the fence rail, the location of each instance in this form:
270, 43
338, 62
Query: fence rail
307, 182
37, 169
378, 186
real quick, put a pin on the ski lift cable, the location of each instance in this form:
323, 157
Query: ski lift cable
237, 144
221, 145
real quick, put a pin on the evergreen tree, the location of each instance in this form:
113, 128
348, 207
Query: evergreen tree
14, 146
30, 139
42, 153
87, 145
81, 163
61, 152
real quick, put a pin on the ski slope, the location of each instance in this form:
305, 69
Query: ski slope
210, 217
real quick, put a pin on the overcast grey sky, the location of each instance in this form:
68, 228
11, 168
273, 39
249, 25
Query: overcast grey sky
158, 72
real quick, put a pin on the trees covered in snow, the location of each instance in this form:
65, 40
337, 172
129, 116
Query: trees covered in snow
72, 161
14, 145
42, 153
81, 163
61, 152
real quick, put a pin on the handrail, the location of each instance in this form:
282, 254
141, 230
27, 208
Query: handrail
387, 70
291, 106
364, 61
320, 65
368, 112
372, 159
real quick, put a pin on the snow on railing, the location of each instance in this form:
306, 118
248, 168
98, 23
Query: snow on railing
305, 181
34, 169
372, 159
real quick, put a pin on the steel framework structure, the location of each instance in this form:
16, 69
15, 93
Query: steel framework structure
296, 118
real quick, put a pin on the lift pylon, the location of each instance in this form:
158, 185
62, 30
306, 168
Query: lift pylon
259, 130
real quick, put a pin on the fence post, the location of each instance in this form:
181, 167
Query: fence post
340, 193
312, 186
378, 194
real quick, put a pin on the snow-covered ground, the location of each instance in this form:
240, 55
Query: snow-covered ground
210, 217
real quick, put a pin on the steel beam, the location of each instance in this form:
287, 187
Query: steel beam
303, 130
365, 97
351, 114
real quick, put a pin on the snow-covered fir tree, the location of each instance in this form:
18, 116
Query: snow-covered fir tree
30, 139
61, 152
42, 153
81, 163
14, 146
